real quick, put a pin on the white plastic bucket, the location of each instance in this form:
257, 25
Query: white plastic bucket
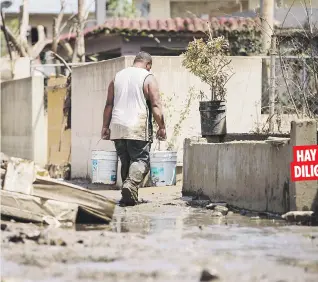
104, 167
163, 166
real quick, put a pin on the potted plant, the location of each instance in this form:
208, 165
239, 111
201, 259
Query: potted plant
207, 59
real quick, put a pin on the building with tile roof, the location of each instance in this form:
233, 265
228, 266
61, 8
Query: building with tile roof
120, 36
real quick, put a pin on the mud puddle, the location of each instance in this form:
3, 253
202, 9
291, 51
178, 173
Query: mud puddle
163, 240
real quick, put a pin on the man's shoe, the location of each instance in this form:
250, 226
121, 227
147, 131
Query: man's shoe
129, 197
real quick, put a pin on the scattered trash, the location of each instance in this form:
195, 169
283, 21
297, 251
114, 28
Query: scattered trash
218, 207
199, 203
302, 217
221, 209
207, 276
230, 213
57, 242
210, 206
216, 214
243, 212
34, 236
255, 218
16, 238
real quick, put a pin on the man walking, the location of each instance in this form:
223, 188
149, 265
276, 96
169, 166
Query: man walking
133, 98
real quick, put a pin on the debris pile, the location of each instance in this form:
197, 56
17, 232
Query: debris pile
4, 163
29, 194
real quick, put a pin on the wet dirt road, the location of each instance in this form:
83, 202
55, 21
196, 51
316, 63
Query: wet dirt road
162, 240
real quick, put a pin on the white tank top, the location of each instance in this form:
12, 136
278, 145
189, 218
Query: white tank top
130, 116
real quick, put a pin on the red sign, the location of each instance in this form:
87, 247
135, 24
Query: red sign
305, 163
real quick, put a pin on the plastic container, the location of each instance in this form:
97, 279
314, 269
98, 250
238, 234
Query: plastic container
104, 167
163, 167
213, 118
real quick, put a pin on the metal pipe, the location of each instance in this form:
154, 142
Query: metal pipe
272, 90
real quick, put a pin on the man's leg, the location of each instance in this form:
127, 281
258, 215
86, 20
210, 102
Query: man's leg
122, 152
139, 167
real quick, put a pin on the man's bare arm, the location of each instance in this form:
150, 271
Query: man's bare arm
151, 90
109, 105
108, 111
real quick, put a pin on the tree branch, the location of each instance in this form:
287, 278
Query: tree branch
22, 52
42, 42
57, 21
24, 24
68, 48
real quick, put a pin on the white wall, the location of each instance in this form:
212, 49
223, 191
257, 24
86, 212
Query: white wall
21, 68
23, 119
89, 90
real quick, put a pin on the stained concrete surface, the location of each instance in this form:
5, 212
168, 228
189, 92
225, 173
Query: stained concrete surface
163, 239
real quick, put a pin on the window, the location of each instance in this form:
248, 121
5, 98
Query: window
34, 35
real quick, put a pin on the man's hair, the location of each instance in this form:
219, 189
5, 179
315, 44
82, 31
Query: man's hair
143, 57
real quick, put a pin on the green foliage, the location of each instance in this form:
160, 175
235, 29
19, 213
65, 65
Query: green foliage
208, 60
121, 8
244, 42
13, 25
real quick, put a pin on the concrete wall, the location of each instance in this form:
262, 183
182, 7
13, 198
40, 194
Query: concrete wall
21, 68
250, 174
23, 119
89, 90
164, 9
59, 139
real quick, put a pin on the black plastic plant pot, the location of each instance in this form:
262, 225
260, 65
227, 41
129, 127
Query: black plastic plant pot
213, 118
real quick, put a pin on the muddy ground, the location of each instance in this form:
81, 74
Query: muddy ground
163, 239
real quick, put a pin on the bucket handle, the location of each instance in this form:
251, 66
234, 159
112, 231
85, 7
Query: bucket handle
158, 143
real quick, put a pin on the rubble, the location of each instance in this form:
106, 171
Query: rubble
28, 193
302, 217
221, 209
216, 214
218, 207
207, 276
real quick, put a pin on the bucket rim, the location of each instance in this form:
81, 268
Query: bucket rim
157, 151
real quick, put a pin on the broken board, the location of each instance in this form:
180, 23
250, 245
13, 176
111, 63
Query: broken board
28, 196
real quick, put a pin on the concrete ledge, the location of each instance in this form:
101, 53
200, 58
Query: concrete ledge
253, 175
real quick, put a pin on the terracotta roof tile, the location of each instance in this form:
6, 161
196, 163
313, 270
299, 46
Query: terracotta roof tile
193, 25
